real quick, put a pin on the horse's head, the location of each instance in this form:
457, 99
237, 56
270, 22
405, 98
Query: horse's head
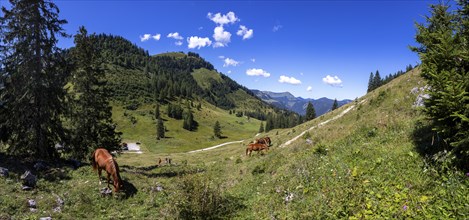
118, 184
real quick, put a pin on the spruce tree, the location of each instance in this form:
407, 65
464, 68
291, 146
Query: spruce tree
261, 128
217, 130
157, 111
377, 81
370, 83
335, 105
35, 69
445, 65
188, 122
160, 130
310, 112
91, 113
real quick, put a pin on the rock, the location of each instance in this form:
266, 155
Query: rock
420, 101
75, 163
60, 202
40, 166
57, 209
45, 218
31, 203
105, 191
29, 179
414, 90
26, 188
4, 172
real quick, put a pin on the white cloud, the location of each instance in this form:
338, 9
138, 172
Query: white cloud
156, 37
289, 80
201, 28
221, 57
145, 37
229, 71
218, 18
245, 32
222, 37
230, 62
309, 89
257, 72
277, 28
175, 36
198, 42
332, 81
178, 43
253, 60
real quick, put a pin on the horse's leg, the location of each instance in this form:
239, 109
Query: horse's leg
108, 179
99, 175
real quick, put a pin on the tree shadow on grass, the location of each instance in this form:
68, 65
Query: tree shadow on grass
168, 172
52, 171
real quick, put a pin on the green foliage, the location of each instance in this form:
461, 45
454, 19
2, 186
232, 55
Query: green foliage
335, 105
261, 128
217, 130
160, 130
91, 115
33, 72
310, 112
445, 65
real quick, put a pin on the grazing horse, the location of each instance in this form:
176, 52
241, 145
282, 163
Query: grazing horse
264, 140
103, 160
256, 147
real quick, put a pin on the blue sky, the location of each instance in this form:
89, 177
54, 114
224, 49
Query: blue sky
310, 48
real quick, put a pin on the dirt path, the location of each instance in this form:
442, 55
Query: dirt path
320, 124
291, 140
216, 146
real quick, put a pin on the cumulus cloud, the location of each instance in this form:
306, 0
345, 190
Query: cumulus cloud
156, 37
230, 62
145, 37
332, 81
178, 43
222, 37
245, 32
289, 80
309, 89
175, 36
198, 42
257, 72
218, 18
277, 28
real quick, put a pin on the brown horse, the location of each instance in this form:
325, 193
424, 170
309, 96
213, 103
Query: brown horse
103, 160
264, 140
256, 147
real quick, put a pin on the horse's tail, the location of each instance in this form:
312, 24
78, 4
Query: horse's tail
93, 160
247, 149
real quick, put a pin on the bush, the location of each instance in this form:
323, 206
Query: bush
200, 198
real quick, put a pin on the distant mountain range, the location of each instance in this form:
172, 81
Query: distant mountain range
286, 100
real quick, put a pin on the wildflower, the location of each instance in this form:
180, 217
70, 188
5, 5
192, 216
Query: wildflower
404, 207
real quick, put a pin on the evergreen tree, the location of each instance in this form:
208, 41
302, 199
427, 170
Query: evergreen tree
160, 130
269, 123
261, 128
335, 105
35, 69
370, 83
310, 112
445, 65
188, 123
157, 111
377, 81
217, 130
92, 124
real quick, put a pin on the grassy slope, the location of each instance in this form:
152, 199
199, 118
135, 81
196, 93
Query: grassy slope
362, 165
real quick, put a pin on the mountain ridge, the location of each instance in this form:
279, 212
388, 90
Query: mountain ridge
286, 100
